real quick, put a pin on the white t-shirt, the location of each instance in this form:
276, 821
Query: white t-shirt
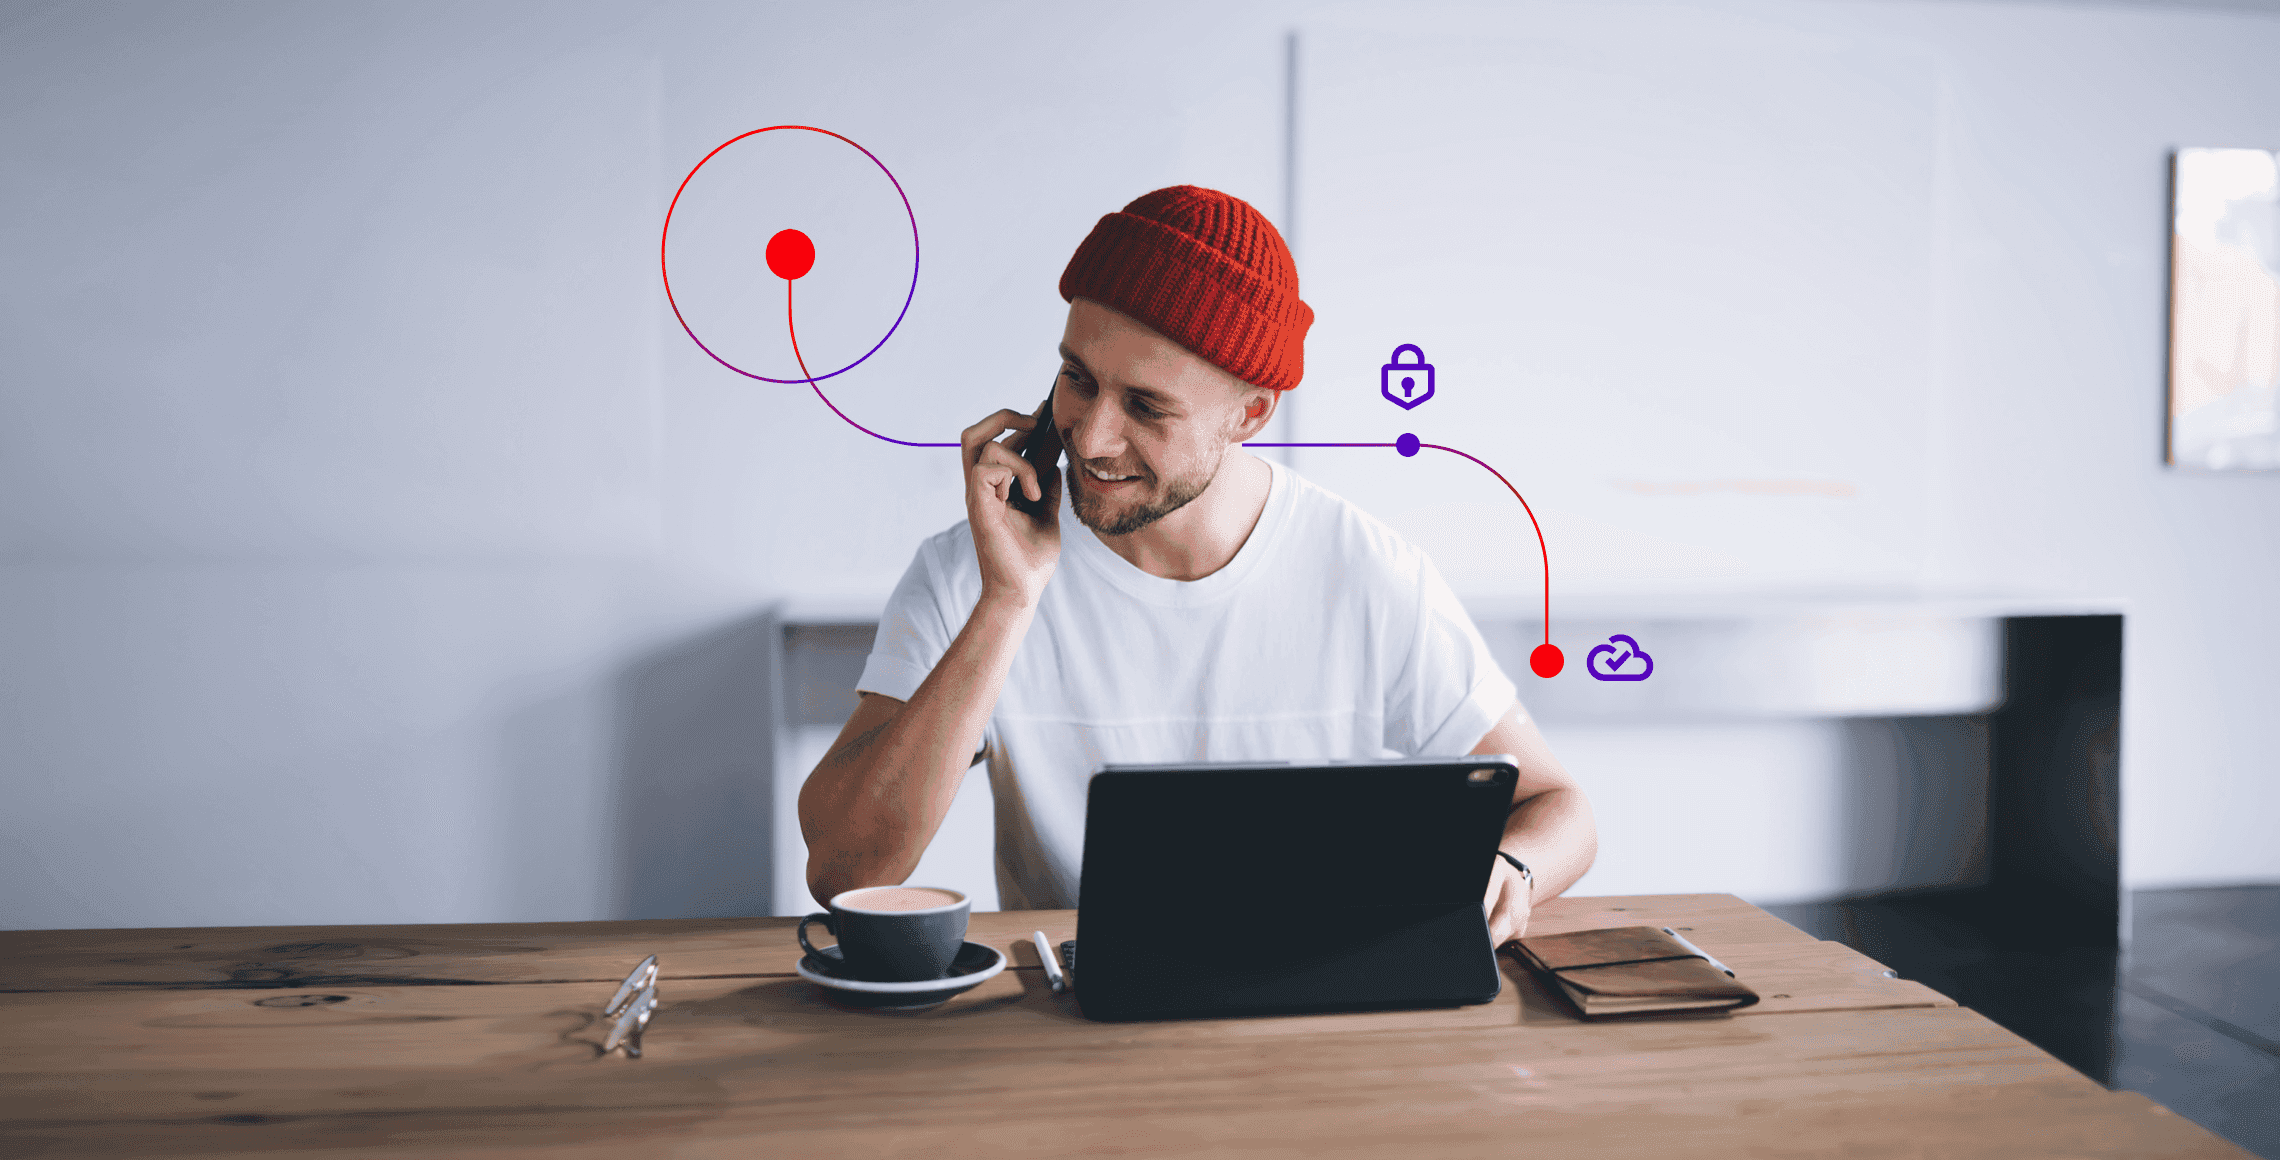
1327, 637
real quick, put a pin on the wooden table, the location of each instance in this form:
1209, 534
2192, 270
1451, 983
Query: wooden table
484, 1041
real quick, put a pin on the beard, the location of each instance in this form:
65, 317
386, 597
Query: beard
1092, 513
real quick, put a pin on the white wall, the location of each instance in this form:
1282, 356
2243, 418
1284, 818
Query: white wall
2050, 337
1902, 267
373, 546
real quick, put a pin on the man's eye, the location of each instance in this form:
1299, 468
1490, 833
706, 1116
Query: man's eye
1142, 410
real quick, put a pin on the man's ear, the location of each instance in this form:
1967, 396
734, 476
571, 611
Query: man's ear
1257, 410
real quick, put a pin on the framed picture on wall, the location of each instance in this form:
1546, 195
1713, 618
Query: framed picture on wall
2224, 311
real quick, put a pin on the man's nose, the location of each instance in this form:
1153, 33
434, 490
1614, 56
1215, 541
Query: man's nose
1098, 432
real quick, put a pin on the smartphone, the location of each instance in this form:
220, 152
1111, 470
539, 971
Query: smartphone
1043, 451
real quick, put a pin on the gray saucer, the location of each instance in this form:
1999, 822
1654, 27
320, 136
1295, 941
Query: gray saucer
973, 965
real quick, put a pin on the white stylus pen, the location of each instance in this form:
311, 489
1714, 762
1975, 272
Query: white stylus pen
1681, 939
1052, 965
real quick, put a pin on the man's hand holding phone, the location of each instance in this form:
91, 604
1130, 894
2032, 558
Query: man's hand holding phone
1018, 551
877, 798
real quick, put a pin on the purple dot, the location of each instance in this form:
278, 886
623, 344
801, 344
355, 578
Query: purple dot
1407, 444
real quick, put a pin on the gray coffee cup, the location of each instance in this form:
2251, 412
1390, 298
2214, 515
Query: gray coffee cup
888, 935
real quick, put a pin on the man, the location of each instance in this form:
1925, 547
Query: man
1190, 603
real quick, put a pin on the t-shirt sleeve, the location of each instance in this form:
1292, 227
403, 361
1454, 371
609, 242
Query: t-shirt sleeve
1449, 691
914, 631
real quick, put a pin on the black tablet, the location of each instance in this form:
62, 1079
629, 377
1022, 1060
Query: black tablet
1249, 889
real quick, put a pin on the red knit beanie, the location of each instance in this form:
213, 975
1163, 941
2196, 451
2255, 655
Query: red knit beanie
1207, 271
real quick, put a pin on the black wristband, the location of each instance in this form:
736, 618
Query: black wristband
1526, 875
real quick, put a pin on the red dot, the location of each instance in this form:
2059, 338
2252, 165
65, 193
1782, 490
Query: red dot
1546, 660
790, 254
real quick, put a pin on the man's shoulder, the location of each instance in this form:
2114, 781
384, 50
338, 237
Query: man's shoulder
947, 557
955, 540
1326, 524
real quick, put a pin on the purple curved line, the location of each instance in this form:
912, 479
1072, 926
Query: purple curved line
793, 329
866, 430
1541, 546
1318, 445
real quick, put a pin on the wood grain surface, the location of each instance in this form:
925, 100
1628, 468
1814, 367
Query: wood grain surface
132, 1049
350, 956
1013, 1070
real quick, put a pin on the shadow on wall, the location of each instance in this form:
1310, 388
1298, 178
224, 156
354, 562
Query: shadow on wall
694, 770
1914, 803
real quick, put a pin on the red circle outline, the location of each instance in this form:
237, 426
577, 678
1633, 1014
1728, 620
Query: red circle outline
665, 234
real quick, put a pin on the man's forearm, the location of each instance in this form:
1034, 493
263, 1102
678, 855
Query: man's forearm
1554, 833
870, 808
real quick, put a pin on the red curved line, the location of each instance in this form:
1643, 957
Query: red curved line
1531, 522
818, 387
665, 274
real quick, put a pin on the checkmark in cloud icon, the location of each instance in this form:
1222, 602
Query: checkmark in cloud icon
1608, 661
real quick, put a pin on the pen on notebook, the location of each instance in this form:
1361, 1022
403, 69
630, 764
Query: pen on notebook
1052, 965
1681, 940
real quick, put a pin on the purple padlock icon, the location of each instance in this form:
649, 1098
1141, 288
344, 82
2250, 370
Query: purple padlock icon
1406, 384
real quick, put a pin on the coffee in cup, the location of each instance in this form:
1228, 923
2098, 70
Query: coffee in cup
894, 934
901, 898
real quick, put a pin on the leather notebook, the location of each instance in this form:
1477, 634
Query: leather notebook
1631, 970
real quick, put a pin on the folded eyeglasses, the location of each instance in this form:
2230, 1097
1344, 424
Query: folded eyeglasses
630, 1009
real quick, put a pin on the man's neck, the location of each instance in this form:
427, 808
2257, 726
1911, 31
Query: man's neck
1203, 536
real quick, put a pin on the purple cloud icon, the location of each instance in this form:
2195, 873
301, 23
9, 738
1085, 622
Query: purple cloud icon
1617, 657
